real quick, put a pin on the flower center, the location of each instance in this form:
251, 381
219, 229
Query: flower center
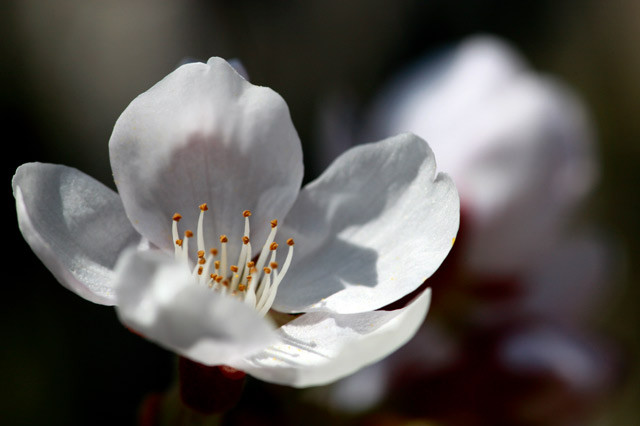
253, 282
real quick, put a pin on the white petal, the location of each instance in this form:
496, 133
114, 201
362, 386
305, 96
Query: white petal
517, 145
370, 230
320, 347
158, 298
75, 225
205, 135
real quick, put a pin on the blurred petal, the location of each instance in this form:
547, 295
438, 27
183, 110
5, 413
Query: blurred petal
158, 298
369, 230
583, 364
75, 225
517, 145
320, 347
205, 135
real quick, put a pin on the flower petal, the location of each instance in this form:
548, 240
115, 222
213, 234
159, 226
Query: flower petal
370, 230
75, 225
158, 298
320, 347
205, 135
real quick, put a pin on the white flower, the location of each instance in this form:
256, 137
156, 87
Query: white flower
367, 232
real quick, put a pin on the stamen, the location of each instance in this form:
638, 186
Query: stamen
223, 248
174, 231
203, 208
237, 280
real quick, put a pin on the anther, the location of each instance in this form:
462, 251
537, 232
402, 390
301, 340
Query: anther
245, 239
266, 270
200, 270
214, 252
179, 243
204, 207
246, 213
273, 246
274, 265
188, 233
223, 238
200, 254
233, 268
274, 223
177, 217
216, 264
202, 261
290, 242
242, 287
251, 264
219, 278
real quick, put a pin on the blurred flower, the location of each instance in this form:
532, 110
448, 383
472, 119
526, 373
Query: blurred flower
519, 147
205, 134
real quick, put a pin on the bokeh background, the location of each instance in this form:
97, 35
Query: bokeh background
69, 68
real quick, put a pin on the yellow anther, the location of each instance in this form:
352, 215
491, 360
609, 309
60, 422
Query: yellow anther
245, 239
214, 252
204, 207
274, 265
273, 246
266, 270
233, 268
251, 264
200, 270
188, 233
223, 238
216, 264
202, 261
200, 254
290, 241
179, 243
274, 223
177, 217
246, 213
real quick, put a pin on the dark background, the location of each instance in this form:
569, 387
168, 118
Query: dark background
69, 67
